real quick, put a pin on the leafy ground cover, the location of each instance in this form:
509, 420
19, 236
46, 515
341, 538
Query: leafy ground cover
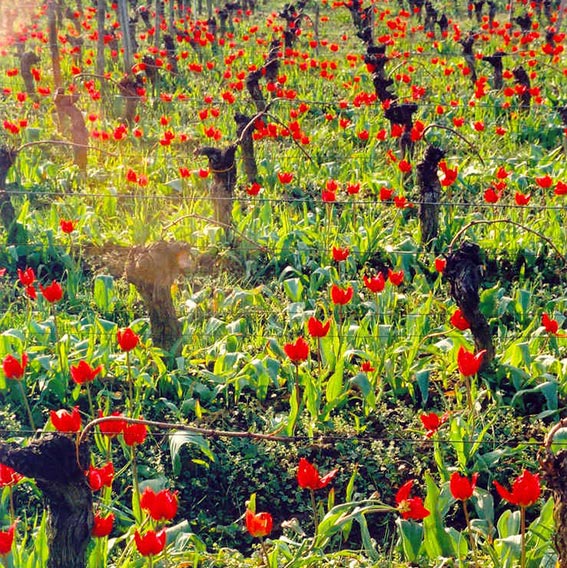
270, 308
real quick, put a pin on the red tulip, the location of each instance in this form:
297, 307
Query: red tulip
366, 367
522, 198
285, 177
459, 321
341, 296
525, 490
376, 283
111, 427
560, 188
127, 339
84, 373
6, 540
410, 507
550, 325
258, 524
469, 363
161, 505
8, 476
432, 421
461, 487
545, 182
328, 196
340, 254
440, 264
101, 476
134, 434
396, 278
102, 525
14, 369
67, 226
65, 421
308, 476
26, 277
150, 543
52, 293
317, 328
298, 351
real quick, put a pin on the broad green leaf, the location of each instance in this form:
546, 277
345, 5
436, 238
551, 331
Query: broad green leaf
508, 524
436, 541
179, 439
411, 534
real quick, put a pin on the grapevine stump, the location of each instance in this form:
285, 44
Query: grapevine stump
52, 462
464, 273
554, 468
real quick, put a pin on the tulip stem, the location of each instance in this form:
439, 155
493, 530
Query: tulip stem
314, 506
12, 508
265, 551
27, 405
135, 485
522, 537
469, 530
129, 379
89, 397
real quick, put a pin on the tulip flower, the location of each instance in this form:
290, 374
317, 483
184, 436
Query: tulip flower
101, 476
150, 543
396, 278
84, 373
67, 226
285, 177
134, 434
65, 421
550, 325
127, 339
432, 421
375, 284
161, 505
317, 328
52, 293
459, 321
410, 507
308, 476
7, 540
8, 476
469, 363
14, 369
340, 254
26, 277
258, 524
461, 487
102, 525
341, 296
298, 351
111, 427
525, 490
440, 264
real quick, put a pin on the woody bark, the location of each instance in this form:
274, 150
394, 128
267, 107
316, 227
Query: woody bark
7, 212
65, 105
430, 193
27, 60
244, 132
52, 462
464, 273
223, 168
